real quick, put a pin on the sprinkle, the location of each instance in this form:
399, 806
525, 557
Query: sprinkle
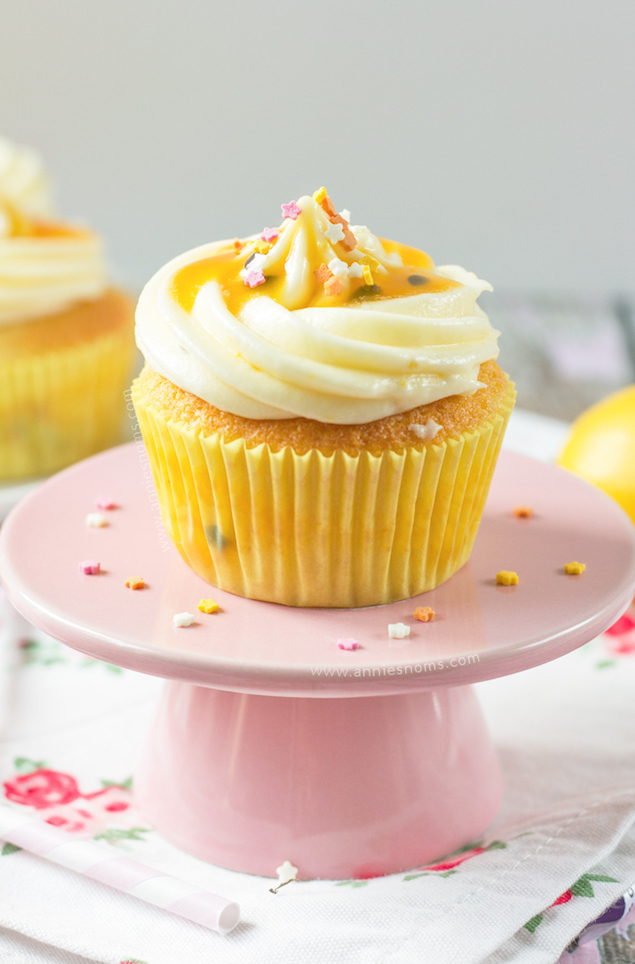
286, 872
323, 273
182, 619
239, 245
426, 432
338, 268
291, 210
96, 519
368, 275
105, 502
346, 215
349, 241
208, 606
347, 644
424, 614
262, 247
135, 582
328, 207
504, 578
89, 567
334, 233
574, 568
398, 630
270, 234
356, 270
333, 287
319, 196
255, 278
523, 511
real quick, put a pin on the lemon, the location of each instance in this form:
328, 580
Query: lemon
601, 447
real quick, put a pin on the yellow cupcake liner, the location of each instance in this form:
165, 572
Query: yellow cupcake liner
316, 530
59, 406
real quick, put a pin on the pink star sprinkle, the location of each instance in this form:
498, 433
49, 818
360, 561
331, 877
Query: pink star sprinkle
347, 644
89, 567
291, 210
255, 278
270, 234
105, 502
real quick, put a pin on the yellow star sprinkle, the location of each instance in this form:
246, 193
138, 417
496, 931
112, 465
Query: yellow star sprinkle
208, 606
574, 568
504, 578
319, 196
368, 275
262, 246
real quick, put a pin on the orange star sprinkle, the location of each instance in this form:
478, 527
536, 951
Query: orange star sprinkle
424, 614
327, 205
323, 273
333, 287
523, 511
135, 583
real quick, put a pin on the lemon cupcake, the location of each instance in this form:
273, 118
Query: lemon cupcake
322, 411
66, 342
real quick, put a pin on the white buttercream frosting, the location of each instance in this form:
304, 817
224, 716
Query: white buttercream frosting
45, 266
23, 181
348, 363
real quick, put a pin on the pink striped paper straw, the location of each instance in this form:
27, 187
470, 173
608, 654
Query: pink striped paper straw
87, 858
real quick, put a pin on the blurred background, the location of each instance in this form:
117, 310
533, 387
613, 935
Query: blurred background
494, 134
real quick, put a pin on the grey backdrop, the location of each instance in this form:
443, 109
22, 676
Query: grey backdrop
493, 133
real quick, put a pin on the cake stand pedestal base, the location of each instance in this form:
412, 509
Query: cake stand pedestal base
343, 787
273, 744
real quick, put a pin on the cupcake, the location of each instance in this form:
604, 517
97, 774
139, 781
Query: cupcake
66, 336
322, 411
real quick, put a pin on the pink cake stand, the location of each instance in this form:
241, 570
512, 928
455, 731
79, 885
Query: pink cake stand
271, 743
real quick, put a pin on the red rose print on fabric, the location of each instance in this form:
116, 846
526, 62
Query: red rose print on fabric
449, 864
42, 789
106, 814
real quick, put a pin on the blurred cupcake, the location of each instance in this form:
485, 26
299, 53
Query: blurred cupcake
66, 342
322, 410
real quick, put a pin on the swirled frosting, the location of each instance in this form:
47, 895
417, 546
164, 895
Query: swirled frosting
23, 180
316, 318
45, 265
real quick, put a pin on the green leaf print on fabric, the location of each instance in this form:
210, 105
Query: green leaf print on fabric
352, 883
9, 848
126, 784
581, 888
45, 653
115, 834
532, 924
22, 764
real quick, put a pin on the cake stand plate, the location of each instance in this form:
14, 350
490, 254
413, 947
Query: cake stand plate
273, 744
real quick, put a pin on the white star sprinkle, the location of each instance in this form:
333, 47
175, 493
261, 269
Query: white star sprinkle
334, 233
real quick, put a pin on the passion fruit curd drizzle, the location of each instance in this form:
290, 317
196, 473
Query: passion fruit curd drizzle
15, 223
314, 259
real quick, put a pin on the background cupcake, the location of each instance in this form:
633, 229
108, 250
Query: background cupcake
66, 343
322, 411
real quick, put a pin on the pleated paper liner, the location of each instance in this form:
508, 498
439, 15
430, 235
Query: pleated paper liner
316, 530
62, 405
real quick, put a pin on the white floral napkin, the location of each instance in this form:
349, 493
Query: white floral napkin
562, 849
